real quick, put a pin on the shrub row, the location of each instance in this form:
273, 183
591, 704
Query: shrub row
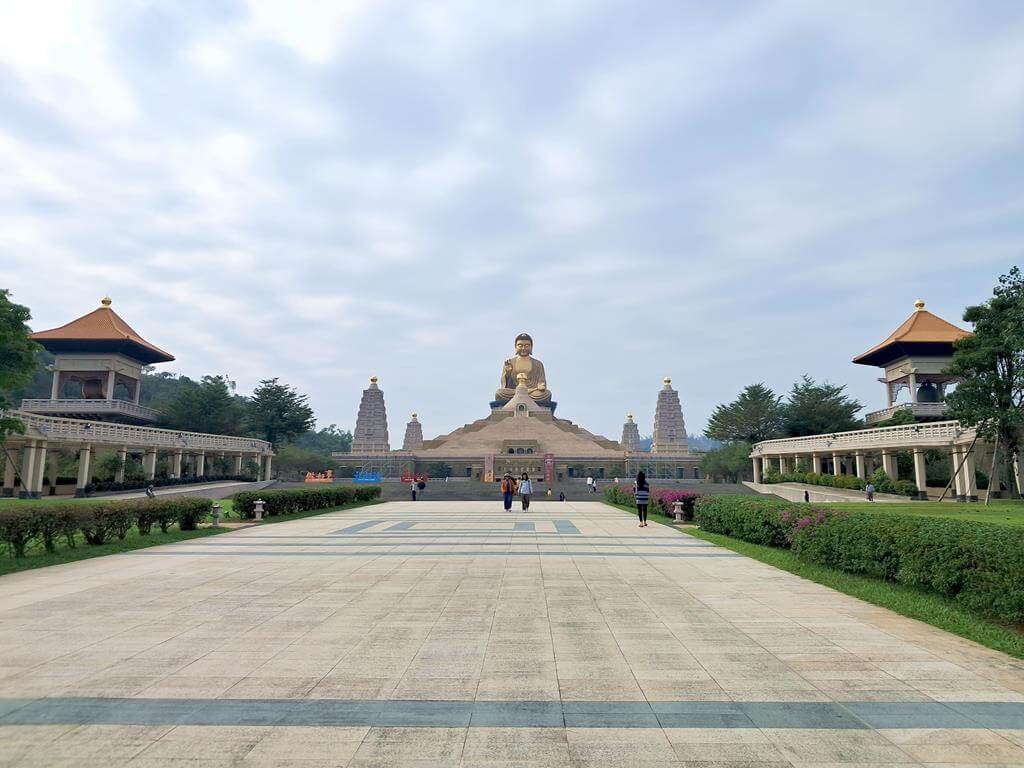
980, 565
882, 482
662, 499
23, 525
131, 485
285, 502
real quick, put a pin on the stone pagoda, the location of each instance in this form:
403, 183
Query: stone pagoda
669, 427
630, 435
413, 435
371, 433
97, 369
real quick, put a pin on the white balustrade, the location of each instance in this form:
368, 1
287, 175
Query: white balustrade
87, 406
79, 431
924, 435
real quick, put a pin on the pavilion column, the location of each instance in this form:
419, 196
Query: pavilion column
267, 466
757, 469
238, 464
176, 464
55, 386
920, 477
138, 391
122, 458
201, 464
888, 395
149, 463
28, 467
970, 477
912, 379
816, 464
870, 461
84, 473
861, 472
9, 473
957, 484
36, 487
111, 377
782, 465
837, 465
889, 465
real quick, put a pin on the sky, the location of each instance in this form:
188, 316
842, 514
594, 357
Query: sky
722, 193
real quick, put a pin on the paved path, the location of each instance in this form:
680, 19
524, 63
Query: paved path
454, 634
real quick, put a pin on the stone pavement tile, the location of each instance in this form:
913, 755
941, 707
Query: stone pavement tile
106, 684
835, 746
969, 749
353, 687
16, 741
540, 745
337, 744
387, 746
599, 689
618, 746
728, 752
523, 687
190, 687
256, 687
1015, 735
209, 742
430, 688
116, 743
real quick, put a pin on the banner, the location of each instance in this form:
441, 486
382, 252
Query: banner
549, 468
489, 469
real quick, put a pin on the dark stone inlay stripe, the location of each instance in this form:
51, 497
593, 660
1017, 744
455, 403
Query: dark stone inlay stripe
442, 553
360, 526
517, 714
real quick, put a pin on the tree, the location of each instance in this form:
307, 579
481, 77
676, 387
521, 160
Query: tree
991, 363
814, 409
295, 461
753, 416
278, 413
731, 462
327, 440
17, 357
208, 405
439, 469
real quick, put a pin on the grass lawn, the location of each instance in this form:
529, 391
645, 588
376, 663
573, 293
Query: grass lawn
37, 557
999, 511
930, 608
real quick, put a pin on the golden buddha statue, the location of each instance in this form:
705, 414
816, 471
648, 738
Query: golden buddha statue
523, 364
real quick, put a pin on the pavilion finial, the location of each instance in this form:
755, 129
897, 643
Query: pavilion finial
105, 301
919, 305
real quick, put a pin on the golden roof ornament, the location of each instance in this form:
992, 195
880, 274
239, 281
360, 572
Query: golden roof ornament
414, 415
629, 417
373, 379
105, 301
919, 305
667, 381
521, 379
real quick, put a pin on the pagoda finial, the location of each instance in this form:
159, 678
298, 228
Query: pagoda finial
105, 301
667, 381
919, 305
373, 379
629, 417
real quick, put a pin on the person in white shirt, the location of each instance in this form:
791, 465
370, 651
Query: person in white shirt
590, 483
525, 489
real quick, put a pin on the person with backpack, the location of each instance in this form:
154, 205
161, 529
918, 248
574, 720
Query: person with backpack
525, 491
642, 492
509, 486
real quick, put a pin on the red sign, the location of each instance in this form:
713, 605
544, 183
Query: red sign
549, 468
408, 477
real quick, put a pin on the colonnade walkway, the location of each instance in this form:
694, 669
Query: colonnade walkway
453, 633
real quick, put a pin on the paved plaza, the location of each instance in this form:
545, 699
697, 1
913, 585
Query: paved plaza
452, 633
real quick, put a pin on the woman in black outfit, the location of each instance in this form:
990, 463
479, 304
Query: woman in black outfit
643, 495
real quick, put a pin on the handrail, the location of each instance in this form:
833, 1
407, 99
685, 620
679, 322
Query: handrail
917, 409
82, 431
935, 432
83, 405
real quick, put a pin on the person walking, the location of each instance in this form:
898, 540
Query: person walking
869, 489
412, 488
642, 492
525, 491
509, 486
590, 483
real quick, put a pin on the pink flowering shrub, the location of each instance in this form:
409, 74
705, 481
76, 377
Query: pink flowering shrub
662, 499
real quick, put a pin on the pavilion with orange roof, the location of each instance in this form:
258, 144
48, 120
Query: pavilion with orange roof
916, 356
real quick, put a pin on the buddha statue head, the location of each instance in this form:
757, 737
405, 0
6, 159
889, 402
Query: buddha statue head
524, 345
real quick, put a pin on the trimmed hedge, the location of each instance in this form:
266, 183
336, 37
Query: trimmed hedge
980, 565
291, 500
31, 523
108, 486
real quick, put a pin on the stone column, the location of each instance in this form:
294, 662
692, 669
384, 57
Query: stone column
55, 385
837, 465
111, 377
138, 391
870, 461
201, 464
238, 464
861, 473
970, 477
9, 473
267, 466
84, 474
757, 469
40, 472
957, 485
889, 465
28, 469
149, 463
912, 380
122, 457
176, 463
920, 478
782, 465
816, 464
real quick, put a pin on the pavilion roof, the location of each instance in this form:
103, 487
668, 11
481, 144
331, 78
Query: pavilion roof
923, 333
101, 330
